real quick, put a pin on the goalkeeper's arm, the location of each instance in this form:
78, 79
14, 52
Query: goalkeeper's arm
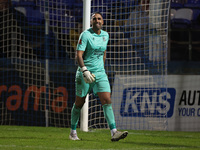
104, 57
87, 75
79, 58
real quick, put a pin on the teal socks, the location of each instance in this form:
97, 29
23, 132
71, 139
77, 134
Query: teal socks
109, 115
75, 114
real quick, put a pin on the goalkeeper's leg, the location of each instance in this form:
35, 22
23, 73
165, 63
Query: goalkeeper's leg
81, 90
75, 114
109, 115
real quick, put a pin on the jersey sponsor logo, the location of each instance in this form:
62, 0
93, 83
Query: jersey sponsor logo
98, 52
148, 102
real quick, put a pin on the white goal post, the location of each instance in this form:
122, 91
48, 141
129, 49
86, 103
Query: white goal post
86, 25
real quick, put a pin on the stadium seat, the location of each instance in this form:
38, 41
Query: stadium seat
180, 24
42, 4
176, 4
183, 18
173, 13
97, 2
196, 19
192, 4
61, 19
196, 27
21, 9
34, 16
23, 3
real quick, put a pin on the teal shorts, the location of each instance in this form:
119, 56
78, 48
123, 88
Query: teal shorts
101, 84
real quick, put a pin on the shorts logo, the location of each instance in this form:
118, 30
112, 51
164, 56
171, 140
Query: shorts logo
147, 102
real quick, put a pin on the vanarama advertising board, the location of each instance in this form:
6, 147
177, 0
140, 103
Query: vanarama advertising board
139, 102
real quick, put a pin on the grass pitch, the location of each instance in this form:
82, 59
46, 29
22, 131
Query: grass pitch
42, 138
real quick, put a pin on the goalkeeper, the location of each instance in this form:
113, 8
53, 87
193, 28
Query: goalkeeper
91, 55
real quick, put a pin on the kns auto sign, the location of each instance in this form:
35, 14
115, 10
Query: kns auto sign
147, 102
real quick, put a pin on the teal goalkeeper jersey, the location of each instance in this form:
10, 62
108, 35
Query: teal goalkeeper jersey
93, 46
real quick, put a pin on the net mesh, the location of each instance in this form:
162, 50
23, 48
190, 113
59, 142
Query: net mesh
38, 43
136, 61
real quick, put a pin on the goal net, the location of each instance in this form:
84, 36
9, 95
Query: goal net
38, 43
136, 63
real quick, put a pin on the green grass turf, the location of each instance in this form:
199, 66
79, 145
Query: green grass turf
43, 138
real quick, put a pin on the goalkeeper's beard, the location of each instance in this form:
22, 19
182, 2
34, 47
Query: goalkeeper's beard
97, 26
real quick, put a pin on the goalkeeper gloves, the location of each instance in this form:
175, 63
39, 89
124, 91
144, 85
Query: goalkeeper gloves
87, 75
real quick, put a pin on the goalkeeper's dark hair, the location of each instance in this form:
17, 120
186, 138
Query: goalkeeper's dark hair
94, 13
